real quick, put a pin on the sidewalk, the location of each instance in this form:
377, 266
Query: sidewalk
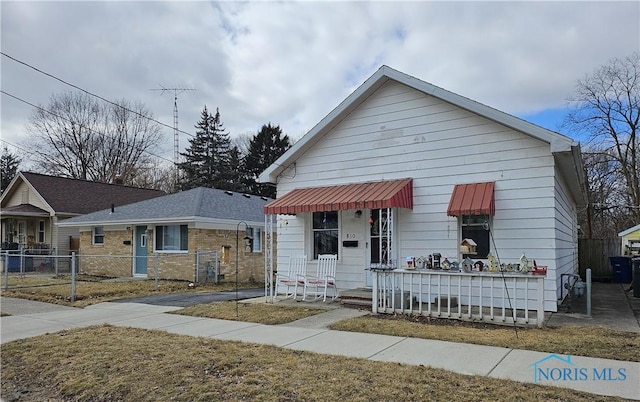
313, 336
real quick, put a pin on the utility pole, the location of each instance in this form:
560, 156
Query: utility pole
176, 144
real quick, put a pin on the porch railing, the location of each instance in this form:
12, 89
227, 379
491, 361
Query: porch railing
484, 297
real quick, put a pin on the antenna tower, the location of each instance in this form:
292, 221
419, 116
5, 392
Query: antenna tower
175, 92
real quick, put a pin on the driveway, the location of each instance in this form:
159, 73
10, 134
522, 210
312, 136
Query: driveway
193, 298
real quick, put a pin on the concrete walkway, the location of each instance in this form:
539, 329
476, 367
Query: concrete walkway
597, 376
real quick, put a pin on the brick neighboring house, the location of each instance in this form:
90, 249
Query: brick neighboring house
33, 204
173, 228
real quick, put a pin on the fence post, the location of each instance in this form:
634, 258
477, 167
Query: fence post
197, 266
6, 270
73, 276
55, 260
157, 274
21, 262
588, 275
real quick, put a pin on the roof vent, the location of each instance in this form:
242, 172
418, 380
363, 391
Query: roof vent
229, 192
246, 195
264, 198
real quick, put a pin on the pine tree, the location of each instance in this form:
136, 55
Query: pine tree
236, 176
207, 159
8, 168
265, 147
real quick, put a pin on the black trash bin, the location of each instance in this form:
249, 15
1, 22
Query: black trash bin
621, 268
636, 277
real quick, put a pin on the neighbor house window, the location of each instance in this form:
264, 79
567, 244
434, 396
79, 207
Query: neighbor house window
325, 233
476, 228
98, 235
40, 231
171, 238
256, 237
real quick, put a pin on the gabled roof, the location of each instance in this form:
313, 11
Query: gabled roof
630, 230
570, 164
73, 196
199, 204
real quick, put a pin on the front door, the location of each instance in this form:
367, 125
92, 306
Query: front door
380, 253
140, 254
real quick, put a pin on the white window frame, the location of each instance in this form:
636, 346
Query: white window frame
312, 232
162, 229
462, 236
256, 234
42, 231
95, 235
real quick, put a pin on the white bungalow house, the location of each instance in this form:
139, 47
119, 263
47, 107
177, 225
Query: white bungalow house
402, 171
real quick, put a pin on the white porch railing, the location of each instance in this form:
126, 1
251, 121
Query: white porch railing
484, 297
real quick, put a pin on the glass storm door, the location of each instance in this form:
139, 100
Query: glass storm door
380, 241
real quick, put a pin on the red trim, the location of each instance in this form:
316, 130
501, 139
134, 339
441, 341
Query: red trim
380, 194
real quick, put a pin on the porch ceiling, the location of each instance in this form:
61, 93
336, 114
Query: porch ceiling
23, 210
379, 194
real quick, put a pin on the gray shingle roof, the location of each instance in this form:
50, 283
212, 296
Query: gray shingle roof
204, 203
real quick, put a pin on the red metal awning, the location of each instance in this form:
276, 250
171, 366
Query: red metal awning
472, 199
380, 194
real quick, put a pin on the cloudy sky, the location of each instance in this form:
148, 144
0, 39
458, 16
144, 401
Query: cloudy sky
291, 63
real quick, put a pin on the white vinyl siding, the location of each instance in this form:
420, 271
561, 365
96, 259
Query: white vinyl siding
401, 133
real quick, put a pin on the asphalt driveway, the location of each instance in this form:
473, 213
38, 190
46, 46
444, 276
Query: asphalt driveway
193, 298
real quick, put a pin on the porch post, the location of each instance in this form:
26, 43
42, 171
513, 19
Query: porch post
374, 292
540, 312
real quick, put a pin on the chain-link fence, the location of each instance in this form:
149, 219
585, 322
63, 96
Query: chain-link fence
22, 262
20, 269
207, 266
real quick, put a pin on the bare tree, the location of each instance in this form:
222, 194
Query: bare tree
606, 111
78, 136
155, 174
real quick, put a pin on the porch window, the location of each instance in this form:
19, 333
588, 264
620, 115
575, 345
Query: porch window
171, 238
325, 233
256, 235
41, 237
98, 235
476, 228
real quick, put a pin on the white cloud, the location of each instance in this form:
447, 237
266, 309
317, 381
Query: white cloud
291, 63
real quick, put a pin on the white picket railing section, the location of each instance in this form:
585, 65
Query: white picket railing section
485, 297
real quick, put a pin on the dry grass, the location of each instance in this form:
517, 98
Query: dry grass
251, 312
108, 364
92, 290
581, 341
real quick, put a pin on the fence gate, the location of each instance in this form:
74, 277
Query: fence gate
594, 254
207, 266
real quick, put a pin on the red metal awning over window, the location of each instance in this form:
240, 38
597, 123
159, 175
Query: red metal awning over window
472, 199
379, 194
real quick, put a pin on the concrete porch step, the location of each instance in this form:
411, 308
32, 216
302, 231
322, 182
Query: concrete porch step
356, 298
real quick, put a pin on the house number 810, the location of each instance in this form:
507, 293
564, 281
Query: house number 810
351, 235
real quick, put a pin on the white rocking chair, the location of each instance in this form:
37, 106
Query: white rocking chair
294, 277
325, 278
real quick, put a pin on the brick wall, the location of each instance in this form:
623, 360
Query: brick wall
116, 258
93, 259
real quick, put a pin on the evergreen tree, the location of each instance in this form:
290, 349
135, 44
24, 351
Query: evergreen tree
265, 147
236, 176
207, 159
8, 168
